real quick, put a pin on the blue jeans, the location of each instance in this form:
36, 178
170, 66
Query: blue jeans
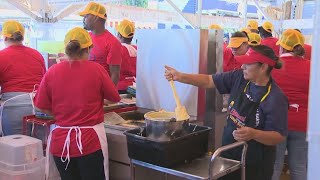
297, 147
13, 112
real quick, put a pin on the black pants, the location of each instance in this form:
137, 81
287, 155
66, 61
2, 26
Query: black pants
89, 167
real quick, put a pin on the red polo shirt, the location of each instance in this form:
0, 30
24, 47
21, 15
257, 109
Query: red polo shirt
21, 68
106, 50
271, 42
74, 93
308, 51
128, 66
293, 79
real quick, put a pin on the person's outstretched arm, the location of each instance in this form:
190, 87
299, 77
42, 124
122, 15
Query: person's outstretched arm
199, 80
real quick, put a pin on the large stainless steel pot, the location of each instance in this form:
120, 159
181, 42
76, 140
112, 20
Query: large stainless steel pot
162, 126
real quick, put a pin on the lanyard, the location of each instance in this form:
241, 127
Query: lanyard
265, 96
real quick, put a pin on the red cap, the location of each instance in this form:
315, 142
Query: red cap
253, 56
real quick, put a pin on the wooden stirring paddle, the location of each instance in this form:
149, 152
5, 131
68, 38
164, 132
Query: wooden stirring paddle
180, 111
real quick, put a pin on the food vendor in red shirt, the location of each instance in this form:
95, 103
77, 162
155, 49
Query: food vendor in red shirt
238, 45
106, 47
293, 79
126, 31
73, 92
21, 69
267, 39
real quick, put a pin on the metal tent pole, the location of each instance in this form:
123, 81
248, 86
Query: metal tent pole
313, 135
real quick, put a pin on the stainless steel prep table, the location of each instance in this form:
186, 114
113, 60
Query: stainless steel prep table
207, 167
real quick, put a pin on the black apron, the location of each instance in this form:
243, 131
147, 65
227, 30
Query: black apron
260, 158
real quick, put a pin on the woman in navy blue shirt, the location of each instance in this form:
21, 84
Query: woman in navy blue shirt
257, 111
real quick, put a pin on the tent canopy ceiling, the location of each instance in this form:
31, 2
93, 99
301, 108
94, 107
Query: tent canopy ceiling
187, 6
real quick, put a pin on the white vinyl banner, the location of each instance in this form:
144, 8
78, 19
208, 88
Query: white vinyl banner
177, 48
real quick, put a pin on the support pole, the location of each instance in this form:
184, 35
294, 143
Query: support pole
256, 3
181, 13
245, 13
19, 5
199, 13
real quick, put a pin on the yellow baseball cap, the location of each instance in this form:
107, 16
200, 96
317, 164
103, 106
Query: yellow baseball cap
290, 38
10, 27
236, 42
215, 26
126, 28
80, 35
94, 9
254, 39
252, 24
267, 26
246, 30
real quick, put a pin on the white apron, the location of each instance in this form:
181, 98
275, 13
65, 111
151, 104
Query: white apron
15, 97
99, 129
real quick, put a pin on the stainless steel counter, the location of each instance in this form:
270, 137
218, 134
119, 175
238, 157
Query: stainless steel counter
119, 162
198, 169
207, 167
